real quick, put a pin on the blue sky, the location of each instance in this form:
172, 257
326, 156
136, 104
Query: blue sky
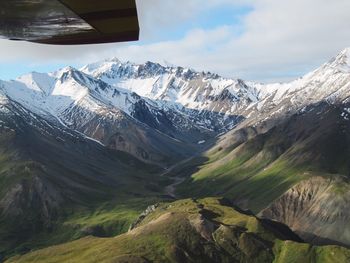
260, 40
212, 18
11, 70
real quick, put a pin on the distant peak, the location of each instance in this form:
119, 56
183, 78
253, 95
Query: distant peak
101, 66
70, 73
148, 62
152, 65
346, 51
113, 59
341, 61
32, 74
67, 69
343, 56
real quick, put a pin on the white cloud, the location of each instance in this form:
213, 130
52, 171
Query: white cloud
280, 39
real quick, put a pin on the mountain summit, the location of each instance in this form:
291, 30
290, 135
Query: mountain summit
342, 61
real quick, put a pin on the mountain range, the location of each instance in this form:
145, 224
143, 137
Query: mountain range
84, 151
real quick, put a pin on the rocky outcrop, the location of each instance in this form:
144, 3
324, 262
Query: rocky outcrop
317, 209
143, 215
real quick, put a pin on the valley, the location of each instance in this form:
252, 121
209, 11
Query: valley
230, 170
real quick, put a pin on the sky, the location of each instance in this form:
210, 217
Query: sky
258, 40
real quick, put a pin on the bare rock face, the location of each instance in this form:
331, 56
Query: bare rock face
317, 209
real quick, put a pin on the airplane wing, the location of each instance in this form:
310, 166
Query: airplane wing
69, 22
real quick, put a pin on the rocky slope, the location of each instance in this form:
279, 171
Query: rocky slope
317, 209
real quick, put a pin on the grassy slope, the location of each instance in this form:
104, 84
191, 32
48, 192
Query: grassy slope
246, 175
105, 221
290, 252
191, 231
259, 169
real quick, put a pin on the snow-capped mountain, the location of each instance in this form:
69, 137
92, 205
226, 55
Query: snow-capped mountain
207, 99
219, 103
329, 83
154, 111
117, 118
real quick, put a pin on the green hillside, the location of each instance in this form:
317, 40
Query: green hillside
204, 230
254, 168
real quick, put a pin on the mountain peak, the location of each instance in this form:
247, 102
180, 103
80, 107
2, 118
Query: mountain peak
113, 59
63, 71
346, 51
342, 60
344, 56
